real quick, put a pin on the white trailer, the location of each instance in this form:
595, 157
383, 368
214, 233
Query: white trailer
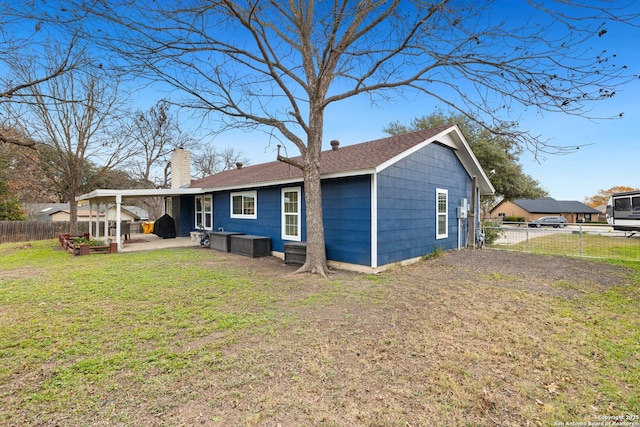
623, 211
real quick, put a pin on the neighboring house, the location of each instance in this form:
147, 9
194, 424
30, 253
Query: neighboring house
128, 213
531, 209
602, 215
135, 211
65, 215
61, 212
387, 201
42, 211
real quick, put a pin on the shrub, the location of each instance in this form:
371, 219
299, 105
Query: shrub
513, 219
491, 231
437, 253
85, 241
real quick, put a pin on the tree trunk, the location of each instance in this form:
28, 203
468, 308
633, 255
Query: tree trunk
316, 259
73, 215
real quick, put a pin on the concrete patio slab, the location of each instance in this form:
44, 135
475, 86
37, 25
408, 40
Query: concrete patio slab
147, 242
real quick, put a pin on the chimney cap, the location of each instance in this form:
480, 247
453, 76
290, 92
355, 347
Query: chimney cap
335, 144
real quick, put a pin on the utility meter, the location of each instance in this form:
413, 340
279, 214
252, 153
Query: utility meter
461, 211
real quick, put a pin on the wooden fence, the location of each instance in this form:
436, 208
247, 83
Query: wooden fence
26, 231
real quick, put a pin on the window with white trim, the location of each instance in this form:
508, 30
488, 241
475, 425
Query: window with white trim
291, 214
442, 213
204, 212
244, 205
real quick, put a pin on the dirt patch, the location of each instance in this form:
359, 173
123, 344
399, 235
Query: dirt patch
445, 341
535, 267
558, 275
554, 275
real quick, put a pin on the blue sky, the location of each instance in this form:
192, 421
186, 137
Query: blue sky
608, 153
611, 157
609, 148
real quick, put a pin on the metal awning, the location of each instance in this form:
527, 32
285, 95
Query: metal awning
116, 196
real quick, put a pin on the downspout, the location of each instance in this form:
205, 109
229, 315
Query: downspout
471, 234
374, 220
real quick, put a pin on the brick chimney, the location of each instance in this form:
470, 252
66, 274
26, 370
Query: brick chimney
180, 168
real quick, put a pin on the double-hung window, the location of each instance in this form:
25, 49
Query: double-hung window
244, 205
204, 212
442, 213
291, 214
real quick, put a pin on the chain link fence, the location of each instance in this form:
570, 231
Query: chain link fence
577, 240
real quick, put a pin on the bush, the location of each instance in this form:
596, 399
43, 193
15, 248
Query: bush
513, 219
11, 209
491, 231
437, 253
85, 241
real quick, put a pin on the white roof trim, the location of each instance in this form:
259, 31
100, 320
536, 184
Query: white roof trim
410, 151
451, 137
154, 192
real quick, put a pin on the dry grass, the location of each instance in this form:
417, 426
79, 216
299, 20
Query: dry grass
469, 338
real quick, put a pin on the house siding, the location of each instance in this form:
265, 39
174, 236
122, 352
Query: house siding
406, 215
346, 210
267, 222
184, 215
346, 206
407, 203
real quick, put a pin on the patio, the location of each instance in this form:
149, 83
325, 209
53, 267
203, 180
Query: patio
147, 242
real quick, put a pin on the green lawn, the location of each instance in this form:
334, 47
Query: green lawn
576, 244
191, 336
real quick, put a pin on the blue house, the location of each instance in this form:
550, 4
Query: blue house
385, 202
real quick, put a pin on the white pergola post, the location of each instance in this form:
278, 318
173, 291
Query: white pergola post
106, 222
90, 219
97, 236
118, 234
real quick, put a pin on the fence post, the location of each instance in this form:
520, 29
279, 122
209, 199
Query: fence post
580, 238
84, 249
526, 235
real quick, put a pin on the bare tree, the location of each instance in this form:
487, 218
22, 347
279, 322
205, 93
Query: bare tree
70, 115
280, 64
24, 43
153, 135
211, 160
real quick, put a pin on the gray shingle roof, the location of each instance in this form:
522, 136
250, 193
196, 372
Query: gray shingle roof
552, 206
363, 156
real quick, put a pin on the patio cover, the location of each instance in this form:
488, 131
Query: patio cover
117, 196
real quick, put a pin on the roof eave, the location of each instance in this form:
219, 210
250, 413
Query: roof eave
451, 137
130, 193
